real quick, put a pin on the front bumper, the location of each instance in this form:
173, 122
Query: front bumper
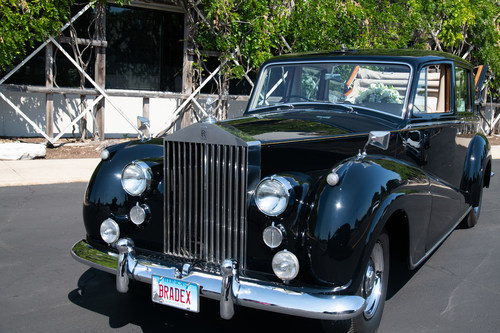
229, 288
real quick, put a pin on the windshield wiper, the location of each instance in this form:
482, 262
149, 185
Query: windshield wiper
349, 108
277, 106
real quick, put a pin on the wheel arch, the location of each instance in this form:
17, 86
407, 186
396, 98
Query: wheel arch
341, 237
398, 230
477, 169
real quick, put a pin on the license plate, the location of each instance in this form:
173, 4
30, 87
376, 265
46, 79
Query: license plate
176, 293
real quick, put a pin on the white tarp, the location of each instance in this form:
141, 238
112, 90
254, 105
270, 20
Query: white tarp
21, 151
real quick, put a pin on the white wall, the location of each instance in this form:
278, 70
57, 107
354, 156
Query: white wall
33, 105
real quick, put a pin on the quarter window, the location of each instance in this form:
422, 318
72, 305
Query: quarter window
462, 88
433, 91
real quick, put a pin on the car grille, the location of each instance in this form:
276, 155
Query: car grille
205, 201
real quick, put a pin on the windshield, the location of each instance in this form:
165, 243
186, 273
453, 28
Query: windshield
378, 86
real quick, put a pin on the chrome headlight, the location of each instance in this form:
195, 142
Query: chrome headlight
136, 178
273, 195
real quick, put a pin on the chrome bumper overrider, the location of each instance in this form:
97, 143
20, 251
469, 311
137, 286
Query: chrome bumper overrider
229, 288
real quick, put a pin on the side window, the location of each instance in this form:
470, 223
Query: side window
463, 101
433, 91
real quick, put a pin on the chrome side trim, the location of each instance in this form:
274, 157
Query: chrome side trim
230, 288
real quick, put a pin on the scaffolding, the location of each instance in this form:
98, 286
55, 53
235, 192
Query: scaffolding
188, 99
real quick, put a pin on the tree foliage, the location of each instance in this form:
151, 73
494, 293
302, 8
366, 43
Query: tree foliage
25, 22
247, 32
253, 30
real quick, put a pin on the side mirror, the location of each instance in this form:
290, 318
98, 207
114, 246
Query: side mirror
143, 125
379, 139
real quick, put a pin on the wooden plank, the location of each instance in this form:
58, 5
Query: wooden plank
145, 107
82, 41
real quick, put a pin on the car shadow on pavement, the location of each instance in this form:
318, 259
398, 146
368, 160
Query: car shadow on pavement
399, 276
97, 292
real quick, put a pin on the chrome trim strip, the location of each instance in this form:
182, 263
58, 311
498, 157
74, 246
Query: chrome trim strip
229, 288
433, 123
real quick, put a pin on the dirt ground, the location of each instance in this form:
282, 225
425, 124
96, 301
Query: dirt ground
67, 148
72, 148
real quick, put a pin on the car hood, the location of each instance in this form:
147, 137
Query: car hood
298, 125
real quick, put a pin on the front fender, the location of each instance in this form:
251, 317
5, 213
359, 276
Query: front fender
105, 197
347, 217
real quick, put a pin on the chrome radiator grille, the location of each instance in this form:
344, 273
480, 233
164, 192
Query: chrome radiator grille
205, 201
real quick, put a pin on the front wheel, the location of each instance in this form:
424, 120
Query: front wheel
373, 289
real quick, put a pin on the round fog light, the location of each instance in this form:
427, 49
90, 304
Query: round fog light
110, 231
285, 265
139, 213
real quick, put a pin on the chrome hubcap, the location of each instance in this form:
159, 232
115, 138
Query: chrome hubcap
373, 281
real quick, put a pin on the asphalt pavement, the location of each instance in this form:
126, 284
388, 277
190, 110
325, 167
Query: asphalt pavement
43, 289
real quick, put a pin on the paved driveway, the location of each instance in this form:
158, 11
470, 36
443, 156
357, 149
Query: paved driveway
44, 290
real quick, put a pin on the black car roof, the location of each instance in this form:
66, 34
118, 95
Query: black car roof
397, 55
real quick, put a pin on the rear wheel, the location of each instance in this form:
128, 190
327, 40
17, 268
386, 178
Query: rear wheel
373, 289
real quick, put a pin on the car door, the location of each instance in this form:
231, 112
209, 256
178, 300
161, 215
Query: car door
430, 141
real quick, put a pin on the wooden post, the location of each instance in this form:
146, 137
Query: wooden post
100, 64
145, 107
187, 71
49, 83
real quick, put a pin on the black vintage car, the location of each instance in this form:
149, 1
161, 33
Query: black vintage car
342, 163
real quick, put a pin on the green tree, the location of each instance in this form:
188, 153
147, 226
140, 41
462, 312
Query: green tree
255, 30
25, 22
467, 28
317, 25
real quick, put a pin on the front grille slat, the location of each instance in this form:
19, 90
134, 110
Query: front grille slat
205, 201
